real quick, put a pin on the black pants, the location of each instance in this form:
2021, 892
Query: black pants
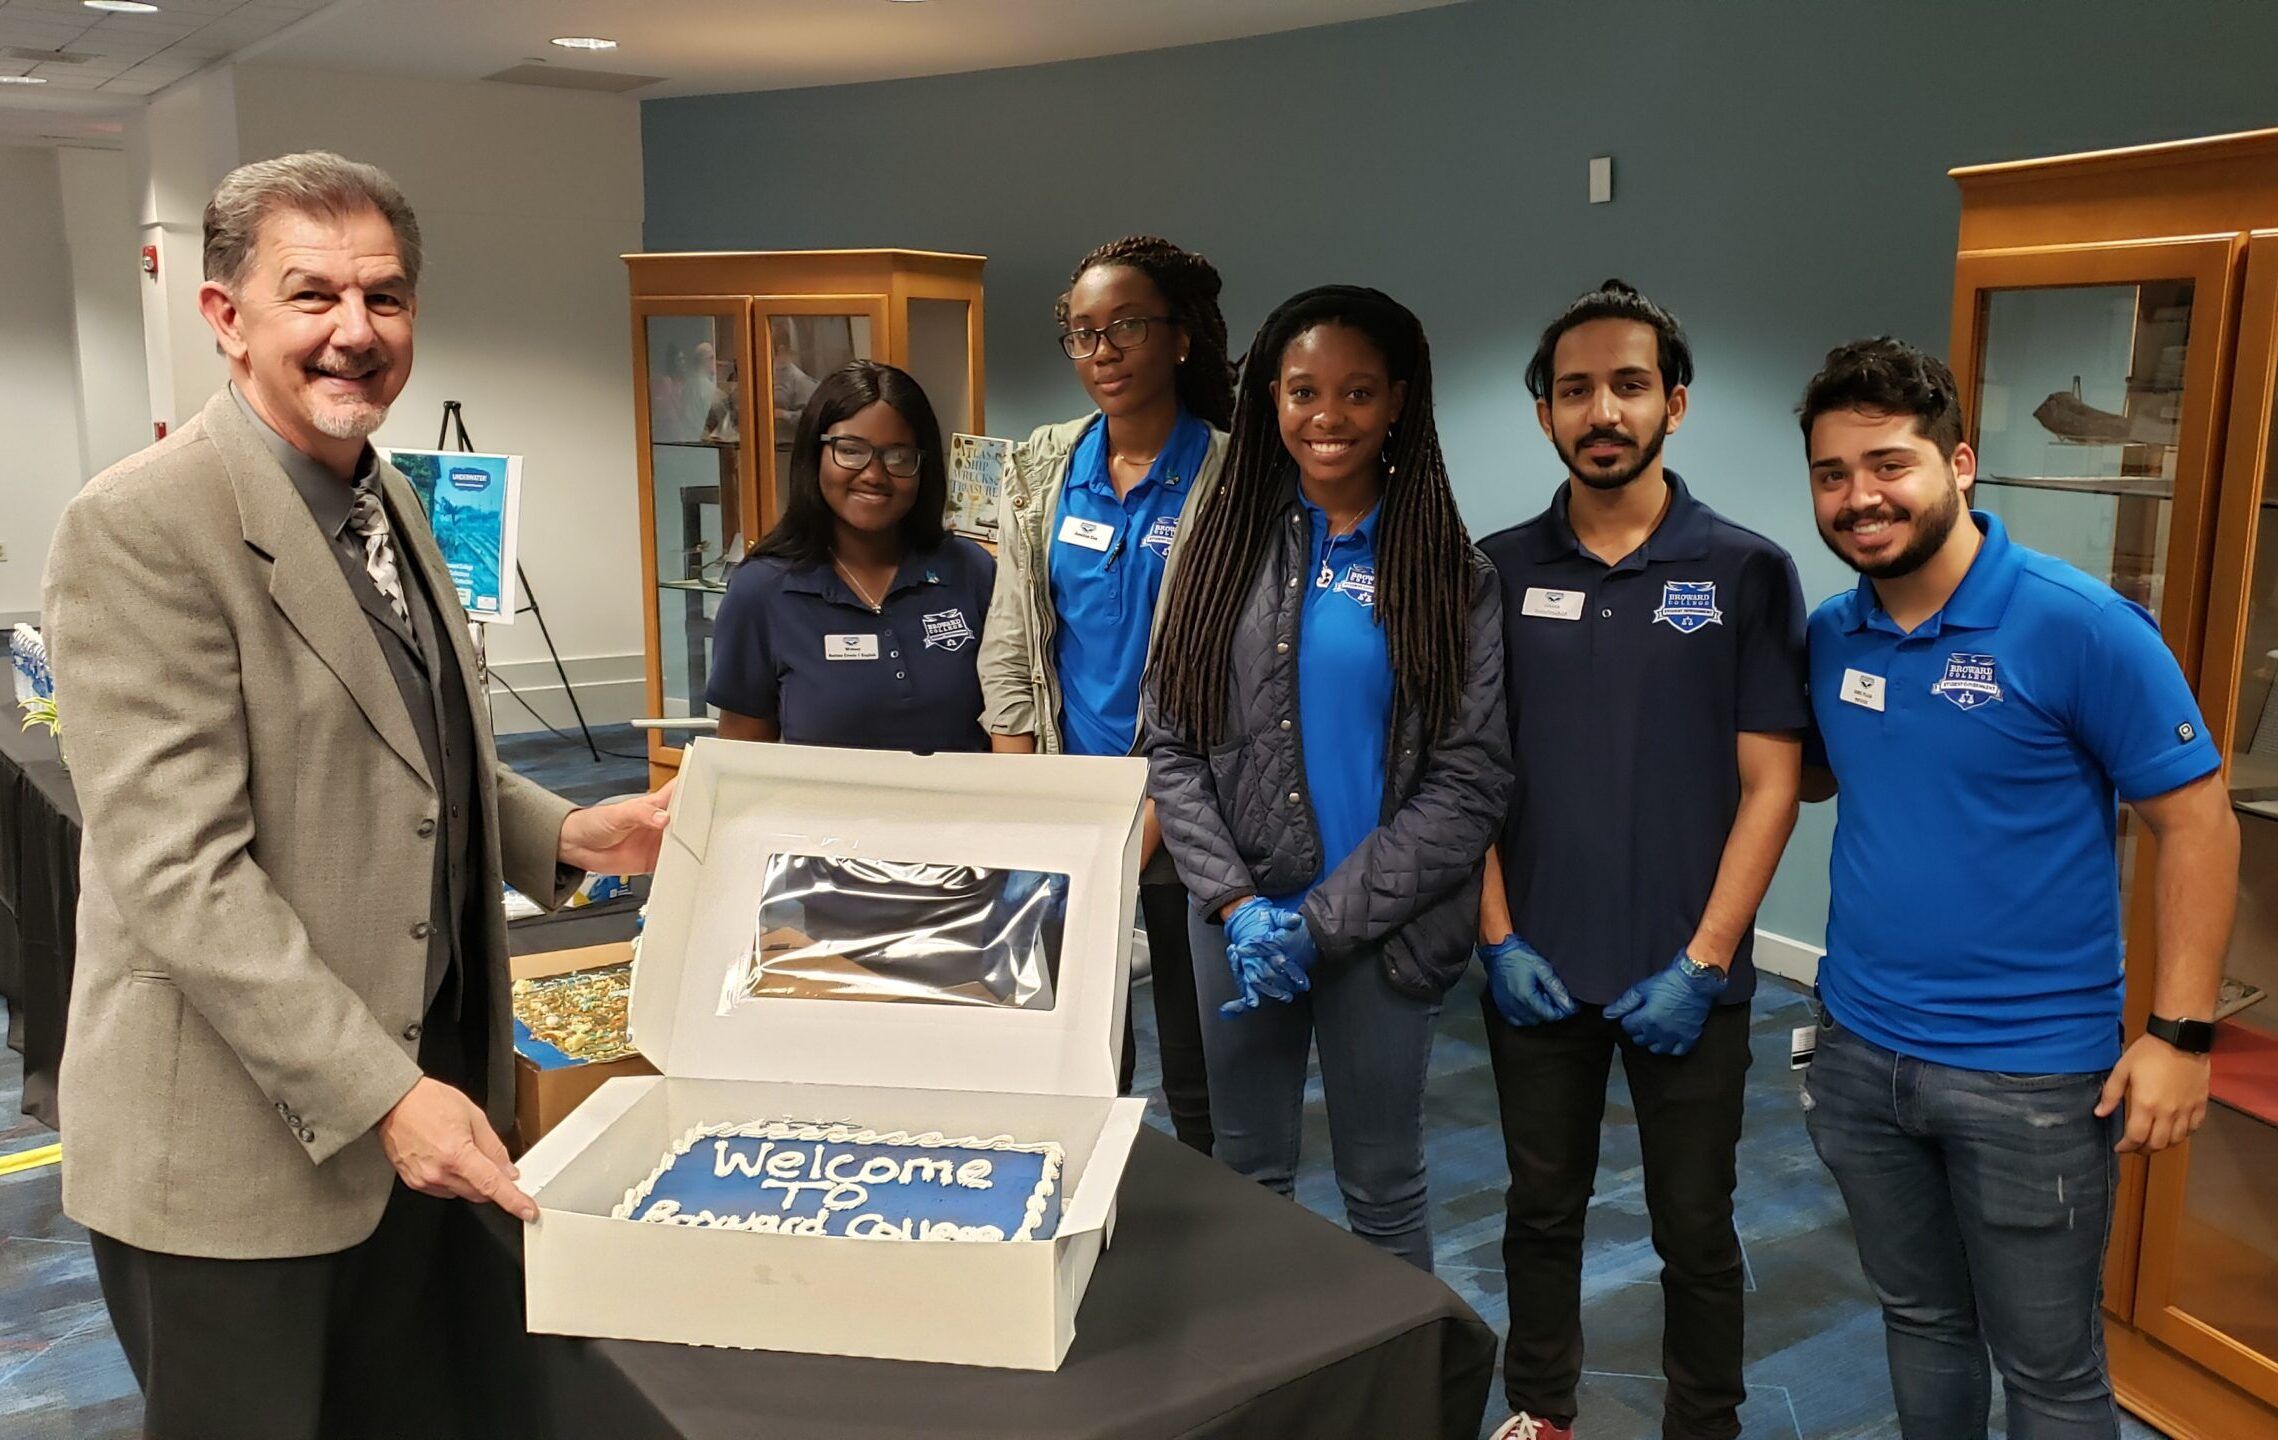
1178, 1019
385, 1339
1550, 1082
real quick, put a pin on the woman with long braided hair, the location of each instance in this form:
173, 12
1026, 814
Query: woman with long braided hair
1094, 520
1327, 751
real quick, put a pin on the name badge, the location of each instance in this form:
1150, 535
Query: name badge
1091, 534
1860, 688
1552, 604
850, 647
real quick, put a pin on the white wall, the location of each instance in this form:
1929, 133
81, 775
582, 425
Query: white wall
178, 152
526, 198
106, 300
40, 467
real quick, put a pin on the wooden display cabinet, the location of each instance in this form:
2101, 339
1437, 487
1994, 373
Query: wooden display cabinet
2116, 341
714, 440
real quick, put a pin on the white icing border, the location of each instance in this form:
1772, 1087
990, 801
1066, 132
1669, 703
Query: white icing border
842, 1133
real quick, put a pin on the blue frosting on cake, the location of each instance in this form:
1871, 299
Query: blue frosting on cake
790, 1178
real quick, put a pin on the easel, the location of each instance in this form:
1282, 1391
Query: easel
454, 420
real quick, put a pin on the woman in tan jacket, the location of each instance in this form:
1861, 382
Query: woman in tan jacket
1094, 516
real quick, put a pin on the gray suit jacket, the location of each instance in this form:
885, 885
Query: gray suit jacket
258, 869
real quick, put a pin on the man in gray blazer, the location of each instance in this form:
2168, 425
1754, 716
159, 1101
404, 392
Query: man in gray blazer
289, 1050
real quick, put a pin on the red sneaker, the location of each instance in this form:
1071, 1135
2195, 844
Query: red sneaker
1523, 1426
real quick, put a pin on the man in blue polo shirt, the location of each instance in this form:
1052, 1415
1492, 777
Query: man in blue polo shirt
1980, 705
1656, 695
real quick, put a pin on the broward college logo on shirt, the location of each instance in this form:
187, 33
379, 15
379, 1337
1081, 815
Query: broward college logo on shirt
1688, 605
1969, 681
1160, 535
947, 630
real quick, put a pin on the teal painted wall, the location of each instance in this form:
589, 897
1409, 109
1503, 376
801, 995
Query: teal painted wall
1779, 182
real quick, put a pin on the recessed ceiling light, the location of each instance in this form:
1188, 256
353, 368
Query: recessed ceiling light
23, 79
122, 7
584, 42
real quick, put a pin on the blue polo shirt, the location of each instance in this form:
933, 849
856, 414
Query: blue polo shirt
1344, 689
1106, 568
1974, 905
792, 644
1629, 686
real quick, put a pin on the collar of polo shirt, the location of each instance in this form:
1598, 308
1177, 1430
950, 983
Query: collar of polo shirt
1683, 533
1978, 603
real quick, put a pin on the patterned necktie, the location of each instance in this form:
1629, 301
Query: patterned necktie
367, 519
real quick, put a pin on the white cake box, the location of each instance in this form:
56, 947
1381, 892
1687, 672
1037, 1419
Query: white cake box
978, 1070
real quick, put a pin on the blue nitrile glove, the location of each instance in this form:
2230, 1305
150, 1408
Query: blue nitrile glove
1268, 950
1526, 991
1664, 1012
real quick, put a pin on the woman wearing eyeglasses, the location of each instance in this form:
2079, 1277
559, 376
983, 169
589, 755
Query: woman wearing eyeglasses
857, 619
1093, 520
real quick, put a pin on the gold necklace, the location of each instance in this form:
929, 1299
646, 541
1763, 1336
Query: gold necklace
877, 607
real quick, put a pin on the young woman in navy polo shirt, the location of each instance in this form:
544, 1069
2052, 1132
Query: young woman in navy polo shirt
857, 619
1328, 756
1095, 512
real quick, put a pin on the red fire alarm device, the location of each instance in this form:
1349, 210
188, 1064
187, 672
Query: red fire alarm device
150, 261
160, 427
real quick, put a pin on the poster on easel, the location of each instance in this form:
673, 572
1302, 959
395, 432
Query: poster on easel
473, 504
977, 465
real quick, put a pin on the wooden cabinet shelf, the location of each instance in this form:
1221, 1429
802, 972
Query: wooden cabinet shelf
727, 349
2115, 338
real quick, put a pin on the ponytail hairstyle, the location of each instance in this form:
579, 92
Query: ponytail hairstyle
1190, 286
1423, 568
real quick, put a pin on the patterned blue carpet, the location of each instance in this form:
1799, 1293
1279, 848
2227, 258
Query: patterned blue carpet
1815, 1356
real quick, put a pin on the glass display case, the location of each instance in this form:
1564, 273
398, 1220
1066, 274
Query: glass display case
728, 349
2116, 339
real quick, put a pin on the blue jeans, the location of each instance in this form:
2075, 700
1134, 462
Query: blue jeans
1982, 1202
1375, 1045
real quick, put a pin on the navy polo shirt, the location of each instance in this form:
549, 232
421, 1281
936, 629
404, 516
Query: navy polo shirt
1629, 686
1344, 689
1974, 908
794, 645
1108, 555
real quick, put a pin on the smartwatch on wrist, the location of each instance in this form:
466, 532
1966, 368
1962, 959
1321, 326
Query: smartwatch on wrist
2192, 1037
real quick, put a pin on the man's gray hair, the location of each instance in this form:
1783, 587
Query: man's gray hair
315, 182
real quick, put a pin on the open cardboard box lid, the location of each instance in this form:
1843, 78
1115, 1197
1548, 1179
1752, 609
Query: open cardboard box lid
737, 803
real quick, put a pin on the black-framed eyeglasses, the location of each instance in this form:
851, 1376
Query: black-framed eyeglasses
853, 453
1129, 333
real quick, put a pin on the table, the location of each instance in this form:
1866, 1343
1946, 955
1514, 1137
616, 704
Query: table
39, 903
1220, 1311
40, 828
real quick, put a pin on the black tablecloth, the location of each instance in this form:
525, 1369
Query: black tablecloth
1221, 1310
39, 900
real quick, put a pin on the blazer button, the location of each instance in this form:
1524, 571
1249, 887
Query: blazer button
308, 1137
420, 931
283, 1108
426, 828
411, 1032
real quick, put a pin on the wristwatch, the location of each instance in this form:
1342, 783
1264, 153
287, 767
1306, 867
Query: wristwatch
1696, 970
2192, 1037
